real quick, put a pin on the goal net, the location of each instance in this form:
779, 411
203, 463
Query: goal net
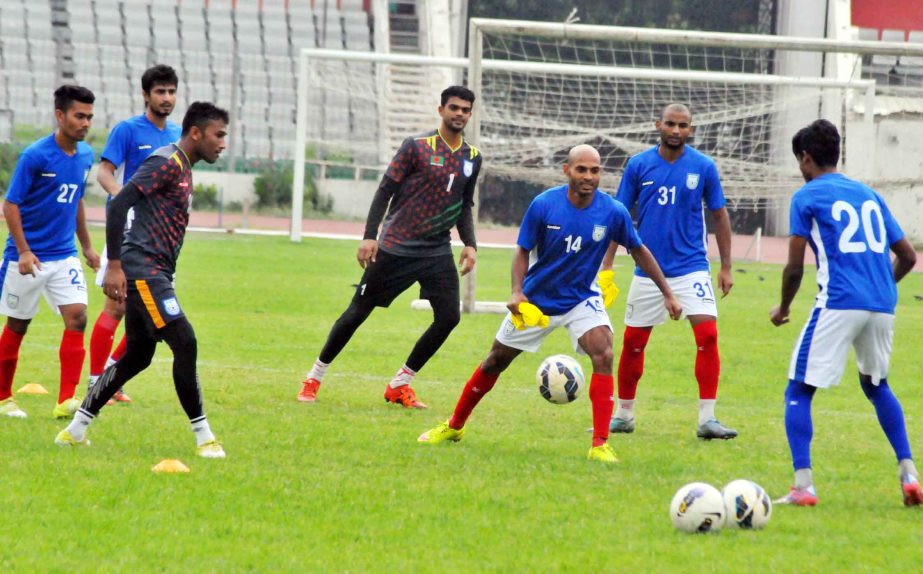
544, 88
540, 93
606, 86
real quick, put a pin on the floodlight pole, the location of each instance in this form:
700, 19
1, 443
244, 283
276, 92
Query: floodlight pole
301, 129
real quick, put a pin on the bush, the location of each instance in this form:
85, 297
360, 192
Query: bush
273, 188
205, 196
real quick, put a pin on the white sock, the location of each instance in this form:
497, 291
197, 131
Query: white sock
203, 433
905, 466
109, 362
625, 410
93, 379
318, 370
79, 424
706, 410
403, 376
803, 478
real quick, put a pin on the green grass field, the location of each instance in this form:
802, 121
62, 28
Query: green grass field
342, 485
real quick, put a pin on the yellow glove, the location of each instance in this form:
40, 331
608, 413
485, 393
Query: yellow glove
529, 316
607, 284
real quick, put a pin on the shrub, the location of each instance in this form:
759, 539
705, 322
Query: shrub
273, 188
205, 196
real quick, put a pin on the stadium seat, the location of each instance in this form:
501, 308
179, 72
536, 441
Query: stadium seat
347, 6
38, 20
12, 20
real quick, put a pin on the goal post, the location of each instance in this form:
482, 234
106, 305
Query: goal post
543, 88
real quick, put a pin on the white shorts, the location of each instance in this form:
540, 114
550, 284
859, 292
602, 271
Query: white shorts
645, 308
585, 316
820, 354
61, 282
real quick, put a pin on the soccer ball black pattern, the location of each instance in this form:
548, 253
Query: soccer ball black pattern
560, 379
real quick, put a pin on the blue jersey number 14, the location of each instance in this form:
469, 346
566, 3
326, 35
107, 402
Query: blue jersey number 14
573, 245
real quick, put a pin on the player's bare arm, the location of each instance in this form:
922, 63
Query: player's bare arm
791, 280
517, 275
723, 238
83, 236
906, 258
105, 177
28, 262
651, 268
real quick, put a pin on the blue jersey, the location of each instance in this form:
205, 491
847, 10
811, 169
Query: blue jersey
850, 229
669, 197
131, 141
47, 186
568, 246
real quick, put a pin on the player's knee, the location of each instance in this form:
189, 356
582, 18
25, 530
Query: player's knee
635, 340
602, 359
76, 320
873, 392
355, 314
706, 334
114, 309
18, 326
498, 359
446, 314
797, 391
180, 336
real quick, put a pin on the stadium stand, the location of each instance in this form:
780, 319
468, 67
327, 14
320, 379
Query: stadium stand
114, 41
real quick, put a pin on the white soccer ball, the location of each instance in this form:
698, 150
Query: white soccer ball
560, 379
746, 504
697, 507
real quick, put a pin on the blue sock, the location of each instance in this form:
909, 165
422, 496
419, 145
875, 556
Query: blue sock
890, 416
798, 426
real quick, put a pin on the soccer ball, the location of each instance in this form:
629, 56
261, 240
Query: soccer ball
747, 505
697, 507
560, 379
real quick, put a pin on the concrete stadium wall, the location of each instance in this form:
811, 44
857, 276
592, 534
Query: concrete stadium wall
236, 186
351, 198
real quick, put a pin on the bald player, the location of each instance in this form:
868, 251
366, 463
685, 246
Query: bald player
670, 186
563, 239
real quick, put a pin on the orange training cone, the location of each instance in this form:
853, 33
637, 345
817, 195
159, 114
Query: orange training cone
170, 465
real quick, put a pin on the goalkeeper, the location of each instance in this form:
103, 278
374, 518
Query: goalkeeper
564, 238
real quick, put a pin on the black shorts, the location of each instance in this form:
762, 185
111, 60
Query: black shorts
391, 275
151, 303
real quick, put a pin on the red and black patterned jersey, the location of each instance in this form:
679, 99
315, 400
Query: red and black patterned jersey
434, 191
157, 227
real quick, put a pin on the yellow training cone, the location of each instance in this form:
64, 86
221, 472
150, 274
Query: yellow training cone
33, 389
170, 465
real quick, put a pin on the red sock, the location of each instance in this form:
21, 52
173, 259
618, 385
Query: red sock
631, 362
71, 353
9, 356
477, 386
707, 363
119, 351
601, 387
101, 342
